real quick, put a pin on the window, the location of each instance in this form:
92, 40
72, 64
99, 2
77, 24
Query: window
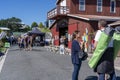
63, 3
112, 6
82, 5
99, 5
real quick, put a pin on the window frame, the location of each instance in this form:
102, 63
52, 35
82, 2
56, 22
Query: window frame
63, 3
99, 6
83, 6
114, 6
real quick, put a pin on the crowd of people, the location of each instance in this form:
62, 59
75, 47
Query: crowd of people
25, 42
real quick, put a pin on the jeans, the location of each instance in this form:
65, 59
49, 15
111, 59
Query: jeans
112, 76
76, 71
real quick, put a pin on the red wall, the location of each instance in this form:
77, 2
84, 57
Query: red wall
71, 29
91, 8
82, 25
55, 34
72, 26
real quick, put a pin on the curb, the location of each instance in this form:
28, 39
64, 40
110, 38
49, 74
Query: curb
4, 54
3, 59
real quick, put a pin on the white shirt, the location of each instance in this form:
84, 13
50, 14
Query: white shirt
97, 37
98, 34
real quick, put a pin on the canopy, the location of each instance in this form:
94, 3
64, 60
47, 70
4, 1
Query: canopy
36, 31
4, 28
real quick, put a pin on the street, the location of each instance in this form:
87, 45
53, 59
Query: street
40, 64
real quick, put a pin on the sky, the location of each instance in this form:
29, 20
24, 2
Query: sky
27, 10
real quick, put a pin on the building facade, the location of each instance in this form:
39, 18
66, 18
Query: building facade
82, 15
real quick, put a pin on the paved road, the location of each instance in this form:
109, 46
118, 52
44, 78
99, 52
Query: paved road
40, 64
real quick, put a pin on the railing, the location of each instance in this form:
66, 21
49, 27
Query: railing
59, 10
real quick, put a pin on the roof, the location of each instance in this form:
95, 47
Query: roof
4, 28
94, 17
117, 23
23, 27
36, 31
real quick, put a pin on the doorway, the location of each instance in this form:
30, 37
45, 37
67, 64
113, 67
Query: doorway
63, 33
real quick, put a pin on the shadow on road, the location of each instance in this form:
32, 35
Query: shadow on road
95, 78
14, 49
91, 78
37, 50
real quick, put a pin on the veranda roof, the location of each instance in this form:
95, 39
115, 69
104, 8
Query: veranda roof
94, 17
117, 23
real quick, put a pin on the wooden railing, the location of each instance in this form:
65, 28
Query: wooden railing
59, 10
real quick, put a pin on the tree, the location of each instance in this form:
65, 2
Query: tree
3, 23
14, 19
34, 24
27, 28
41, 25
13, 23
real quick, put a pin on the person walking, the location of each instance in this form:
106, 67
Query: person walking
26, 43
30, 41
75, 49
19, 42
106, 63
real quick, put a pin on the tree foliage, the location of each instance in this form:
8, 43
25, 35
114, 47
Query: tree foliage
27, 28
13, 23
41, 25
43, 28
34, 24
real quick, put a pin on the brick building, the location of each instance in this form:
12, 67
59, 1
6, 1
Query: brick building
83, 15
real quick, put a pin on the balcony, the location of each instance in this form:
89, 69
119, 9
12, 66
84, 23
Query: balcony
58, 11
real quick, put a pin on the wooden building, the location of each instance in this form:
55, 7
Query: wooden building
83, 15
